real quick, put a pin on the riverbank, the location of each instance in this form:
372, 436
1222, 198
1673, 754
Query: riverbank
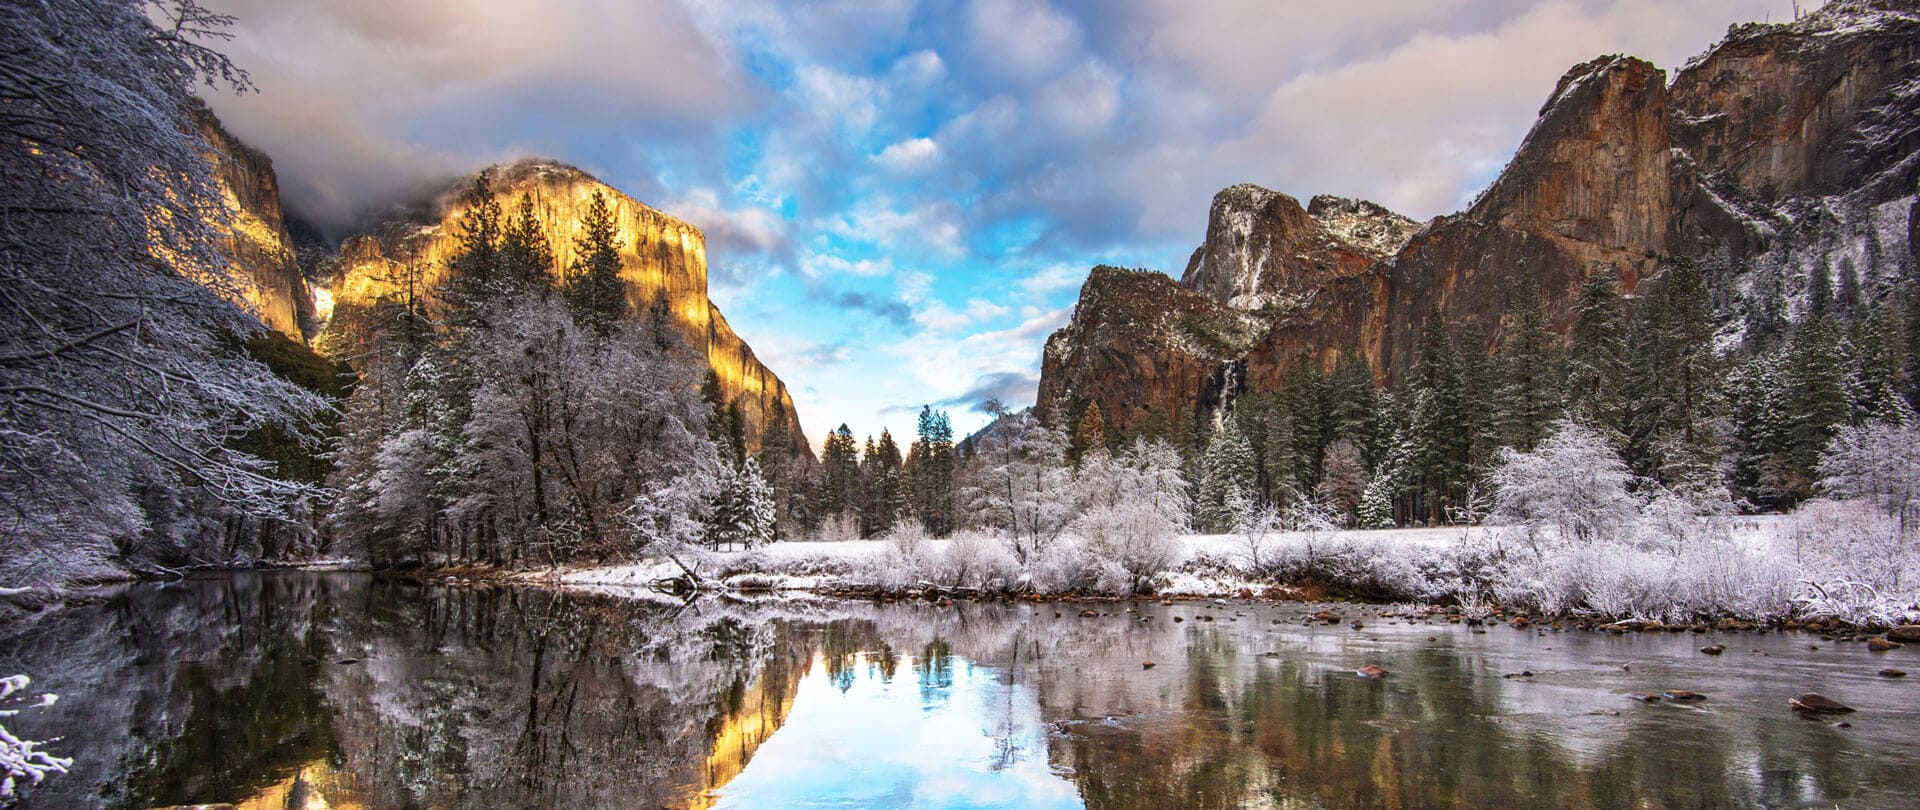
1743, 572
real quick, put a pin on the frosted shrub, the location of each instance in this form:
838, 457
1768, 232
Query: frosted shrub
976, 560
1855, 562
906, 561
1573, 488
1065, 567
1135, 540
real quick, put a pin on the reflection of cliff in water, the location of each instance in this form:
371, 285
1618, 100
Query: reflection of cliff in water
237, 690
269, 689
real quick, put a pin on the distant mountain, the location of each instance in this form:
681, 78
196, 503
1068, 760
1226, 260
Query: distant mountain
1782, 147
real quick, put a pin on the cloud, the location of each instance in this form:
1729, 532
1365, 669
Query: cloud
910, 155
1052, 279
1009, 387
891, 309
362, 101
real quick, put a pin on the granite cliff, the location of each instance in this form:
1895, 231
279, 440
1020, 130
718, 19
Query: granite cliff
1782, 147
660, 256
265, 270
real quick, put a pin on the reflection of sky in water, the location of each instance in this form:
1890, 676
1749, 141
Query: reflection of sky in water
930, 736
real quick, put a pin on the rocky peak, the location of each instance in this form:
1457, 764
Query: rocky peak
1364, 226
1264, 251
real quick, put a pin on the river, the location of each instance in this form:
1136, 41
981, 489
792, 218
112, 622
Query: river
341, 690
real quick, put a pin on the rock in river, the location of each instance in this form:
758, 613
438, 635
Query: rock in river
1878, 644
1819, 704
1905, 634
1372, 672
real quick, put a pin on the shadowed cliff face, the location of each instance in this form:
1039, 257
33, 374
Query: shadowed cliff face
659, 256
267, 274
1621, 171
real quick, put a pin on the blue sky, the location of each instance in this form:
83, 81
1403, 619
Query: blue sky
901, 198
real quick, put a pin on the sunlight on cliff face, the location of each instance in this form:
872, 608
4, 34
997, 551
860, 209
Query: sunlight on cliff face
308, 789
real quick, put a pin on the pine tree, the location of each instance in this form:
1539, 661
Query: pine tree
1760, 426
1816, 398
1911, 335
889, 495
1529, 390
929, 472
1849, 300
1091, 434
1440, 446
1871, 377
1674, 382
775, 465
1479, 405
474, 274
526, 260
1596, 357
1227, 477
1819, 291
1279, 456
1350, 396
839, 473
594, 288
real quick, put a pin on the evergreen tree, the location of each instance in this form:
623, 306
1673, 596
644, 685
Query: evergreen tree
889, 483
1530, 394
776, 466
526, 260
1816, 398
1439, 445
1760, 427
1849, 300
929, 471
1674, 381
1301, 396
839, 473
1227, 478
1596, 357
1279, 454
1479, 406
474, 274
1911, 335
1819, 291
1871, 375
743, 509
1350, 397
594, 288
1090, 434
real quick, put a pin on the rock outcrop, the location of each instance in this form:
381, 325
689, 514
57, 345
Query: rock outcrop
265, 269
660, 256
1782, 146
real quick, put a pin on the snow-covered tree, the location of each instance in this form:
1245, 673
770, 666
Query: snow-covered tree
1573, 484
1227, 467
742, 508
1878, 463
23, 762
1019, 482
1343, 481
1135, 507
122, 370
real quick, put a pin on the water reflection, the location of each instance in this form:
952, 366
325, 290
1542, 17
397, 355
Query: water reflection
295, 690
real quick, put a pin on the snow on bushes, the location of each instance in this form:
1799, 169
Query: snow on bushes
22, 761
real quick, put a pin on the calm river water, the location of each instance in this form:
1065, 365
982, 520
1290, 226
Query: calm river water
332, 690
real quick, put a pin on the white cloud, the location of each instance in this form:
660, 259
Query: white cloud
910, 155
1022, 40
1053, 278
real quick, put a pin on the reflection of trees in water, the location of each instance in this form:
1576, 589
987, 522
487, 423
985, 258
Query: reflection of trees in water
218, 689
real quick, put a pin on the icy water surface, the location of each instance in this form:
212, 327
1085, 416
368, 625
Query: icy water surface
325, 690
